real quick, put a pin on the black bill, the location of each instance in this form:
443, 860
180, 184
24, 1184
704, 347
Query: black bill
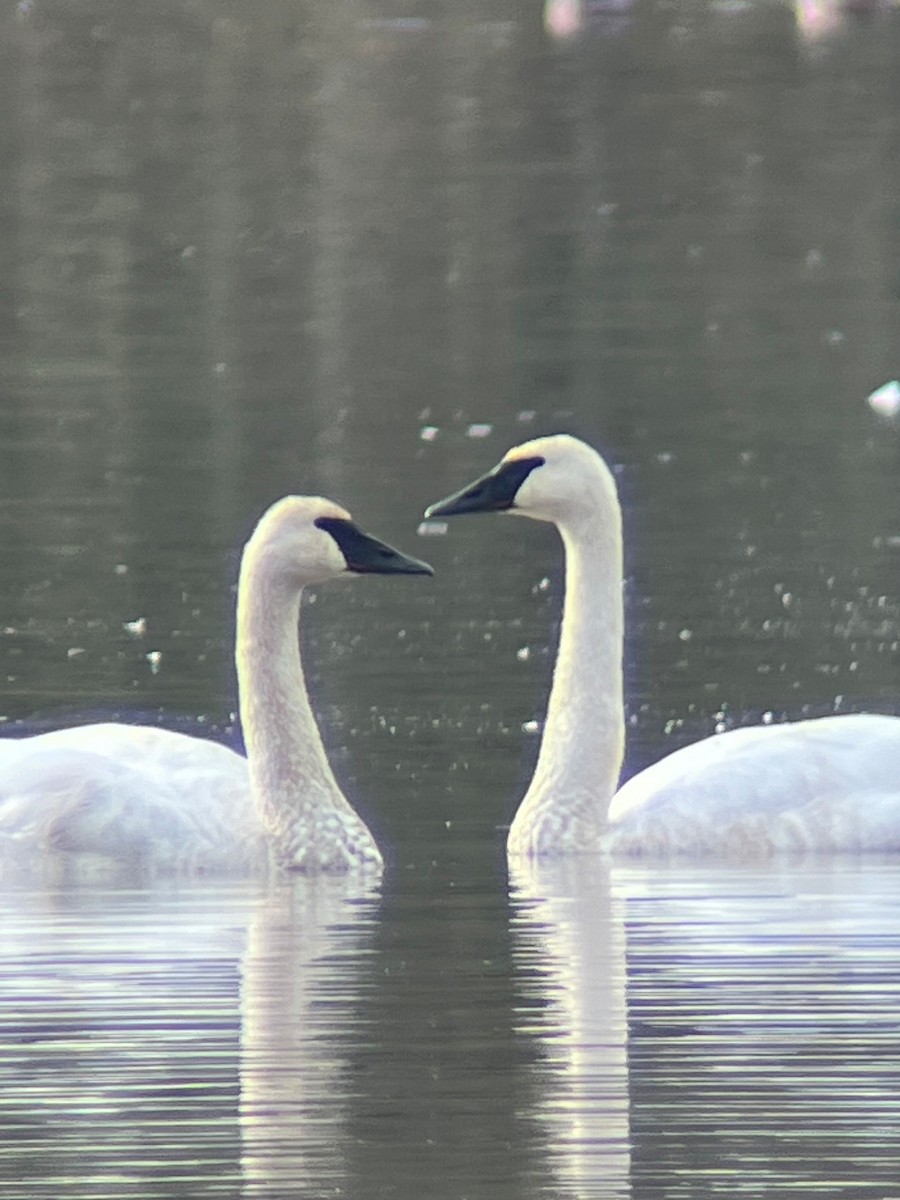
494, 492
366, 554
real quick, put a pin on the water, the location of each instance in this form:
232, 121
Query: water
360, 250
603, 1034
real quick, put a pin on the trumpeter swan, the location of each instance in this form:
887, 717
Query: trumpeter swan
173, 802
822, 785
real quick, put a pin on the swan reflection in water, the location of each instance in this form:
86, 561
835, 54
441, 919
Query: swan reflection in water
568, 938
746, 1042
169, 1040
304, 969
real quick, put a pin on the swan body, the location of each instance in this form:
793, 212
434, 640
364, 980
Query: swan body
173, 802
819, 785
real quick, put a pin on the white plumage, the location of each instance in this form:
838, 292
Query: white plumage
819, 785
169, 802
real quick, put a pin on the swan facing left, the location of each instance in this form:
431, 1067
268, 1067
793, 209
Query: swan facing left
828, 785
173, 803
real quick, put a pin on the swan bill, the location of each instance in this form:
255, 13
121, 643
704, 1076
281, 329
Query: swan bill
494, 492
366, 555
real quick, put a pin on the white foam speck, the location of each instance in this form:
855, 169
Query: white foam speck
432, 529
886, 399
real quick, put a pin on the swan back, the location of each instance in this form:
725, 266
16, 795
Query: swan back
820, 785
119, 791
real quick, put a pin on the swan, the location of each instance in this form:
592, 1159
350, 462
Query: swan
151, 796
831, 784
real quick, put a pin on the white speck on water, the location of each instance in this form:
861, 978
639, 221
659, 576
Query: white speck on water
835, 338
814, 259
531, 726
428, 433
479, 430
685, 635
542, 585
523, 654
189, 252
885, 400
220, 368
787, 599
137, 627
526, 415
665, 457
154, 658
120, 569
768, 718
432, 528
74, 651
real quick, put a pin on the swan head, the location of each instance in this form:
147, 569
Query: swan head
557, 478
308, 539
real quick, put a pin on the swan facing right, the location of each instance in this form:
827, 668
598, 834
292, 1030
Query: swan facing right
167, 802
826, 785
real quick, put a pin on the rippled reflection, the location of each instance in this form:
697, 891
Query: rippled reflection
569, 952
303, 978
763, 1047
119, 1041
652, 1032
761, 1009
176, 1042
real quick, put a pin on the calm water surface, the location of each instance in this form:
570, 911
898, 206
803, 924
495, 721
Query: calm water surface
361, 249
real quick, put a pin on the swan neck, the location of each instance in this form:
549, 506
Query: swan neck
280, 731
310, 823
584, 733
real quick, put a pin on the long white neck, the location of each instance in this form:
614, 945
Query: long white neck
310, 823
564, 809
